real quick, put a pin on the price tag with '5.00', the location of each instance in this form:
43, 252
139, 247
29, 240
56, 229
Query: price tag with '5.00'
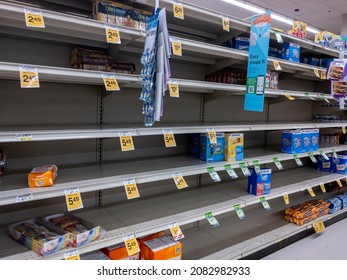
179, 180
131, 188
169, 138
73, 198
29, 77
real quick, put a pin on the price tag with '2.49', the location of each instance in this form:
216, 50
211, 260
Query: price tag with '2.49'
73, 198
110, 82
176, 231
112, 35
126, 141
131, 188
179, 180
29, 77
131, 244
169, 138
34, 18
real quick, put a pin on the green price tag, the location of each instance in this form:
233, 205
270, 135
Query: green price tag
214, 175
325, 99
230, 171
256, 166
308, 96
278, 163
334, 153
211, 219
239, 211
313, 159
323, 155
297, 160
244, 169
266, 204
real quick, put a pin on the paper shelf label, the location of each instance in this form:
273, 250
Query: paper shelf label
231, 172
24, 197
211, 219
256, 166
239, 211
323, 74
324, 98
131, 244
312, 157
244, 169
29, 77
176, 47
319, 227
126, 141
316, 72
279, 37
323, 155
214, 175
344, 130
311, 192
286, 198
34, 18
226, 23
322, 187
179, 180
73, 198
277, 65
176, 231
112, 35
289, 97
174, 89
72, 255
278, 163
212, 135
265, 203
178, 10
24, 137
169, 139
334, 153
110, 82
339, 183
131, 188
297, 160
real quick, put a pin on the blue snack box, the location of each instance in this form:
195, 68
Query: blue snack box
306, 140
314, 139
273, 52
335, 204
259, 184
339, 164
195, 144
212, 152
324, 164
291, 52
343, 198
291, 142
241, 43
313, 61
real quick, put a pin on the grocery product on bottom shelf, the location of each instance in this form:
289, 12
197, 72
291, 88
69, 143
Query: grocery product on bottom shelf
95, 255
2, 162
149, 237
234, 146
259, 183
291, 52
42, 176
119, 252
81, 232
271, 80
41, 238
162, 248
210, 151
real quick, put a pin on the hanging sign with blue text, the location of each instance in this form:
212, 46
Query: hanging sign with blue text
257, 62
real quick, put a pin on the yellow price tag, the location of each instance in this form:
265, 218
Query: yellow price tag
131, 189
286, 198
212, 135
226, 24
126, 141
179, 180
311, 192
178, 10
323, 74
73, 199
339, 183
176, 232
277, 65
34, 18
322, 187
344, 130
289, 97
72, 255
112, 35
176, 48
169, 139
29, 77
174, 89
131, 245
110, 82
24, 137
319, 227
316, 72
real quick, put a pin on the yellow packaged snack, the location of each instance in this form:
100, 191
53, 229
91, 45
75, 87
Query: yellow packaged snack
42, 176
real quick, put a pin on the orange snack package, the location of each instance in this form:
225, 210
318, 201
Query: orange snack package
42, 176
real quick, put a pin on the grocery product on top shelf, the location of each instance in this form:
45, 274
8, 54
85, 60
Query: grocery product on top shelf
299, 29
2, 162
330, 139
210, 151
327, 39
42, 176
162, 248
314, 61
259, 183
81, 232
299, 141
326, 118
233, 149
119, 14
119, 252
291, 52
42, 239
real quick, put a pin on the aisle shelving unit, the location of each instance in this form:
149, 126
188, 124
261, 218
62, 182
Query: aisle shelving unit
220, 198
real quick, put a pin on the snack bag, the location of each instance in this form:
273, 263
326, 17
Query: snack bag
337, 70
42, 176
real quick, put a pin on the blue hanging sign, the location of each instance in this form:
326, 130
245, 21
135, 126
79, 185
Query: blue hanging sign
257, 62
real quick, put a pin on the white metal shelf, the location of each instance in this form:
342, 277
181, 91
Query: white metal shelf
110, 176
140, 219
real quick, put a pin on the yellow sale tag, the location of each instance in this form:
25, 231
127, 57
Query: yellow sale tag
226, 24
131, 245
169, 139
110, 82
174, 90
73, 199
339, 183
29, 77
179, 180
319, 227
212, 135
322, 187
176, 232
178, 10
316, 72
112, 35
176, 48
289, 97
344, 130
323, 74
131, 189
286, 198
34, 18
72, 255
309, 189
126, 141
277, 65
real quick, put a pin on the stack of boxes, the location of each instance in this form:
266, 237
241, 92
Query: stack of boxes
299, 141
259, 183
334, 165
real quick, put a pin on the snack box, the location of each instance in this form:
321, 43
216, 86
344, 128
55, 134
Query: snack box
291, 142
81, 232
234, 146
314, 139
291, 52
339, 164
119, 252
42, 176
343, 198
241, 43
273, 52
149, 237
259, 184
95, 255
162, 248
324, 164
299, 29
306, 140
43, 239
212, 152
335, 205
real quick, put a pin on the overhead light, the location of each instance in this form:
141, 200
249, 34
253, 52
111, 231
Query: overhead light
273, 15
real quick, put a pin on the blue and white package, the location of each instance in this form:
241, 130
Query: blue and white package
273, 52
259, 184
291, 142
241, 43
335, 205
212, 152
324, 164
306, 140
291, 52
343, 198
339, 164
314, 139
